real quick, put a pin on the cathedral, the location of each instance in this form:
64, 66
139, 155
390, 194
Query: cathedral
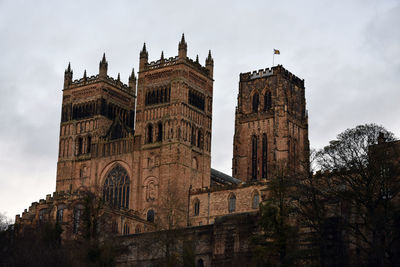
144, 147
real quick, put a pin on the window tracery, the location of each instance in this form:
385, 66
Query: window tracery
116, 188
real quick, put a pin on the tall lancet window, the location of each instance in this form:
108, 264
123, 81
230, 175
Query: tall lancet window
254, 157
264, 155
116, 188
256, 101
159, 132
267, 101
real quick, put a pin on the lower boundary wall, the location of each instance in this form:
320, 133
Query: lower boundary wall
224, 243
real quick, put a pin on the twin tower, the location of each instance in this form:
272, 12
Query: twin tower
136, 143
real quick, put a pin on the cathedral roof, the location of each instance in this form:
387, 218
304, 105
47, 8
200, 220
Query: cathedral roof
222, 178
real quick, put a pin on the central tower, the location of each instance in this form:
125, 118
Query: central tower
173, 123
271, 125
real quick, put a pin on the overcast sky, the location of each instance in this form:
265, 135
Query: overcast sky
348, 52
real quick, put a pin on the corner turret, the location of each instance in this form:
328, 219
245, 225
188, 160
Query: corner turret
103, 66
143, 59
68, 76
210, 64
182, 48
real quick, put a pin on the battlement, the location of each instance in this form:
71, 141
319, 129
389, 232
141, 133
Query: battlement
59, 198
161, 63
30, 213
277, 70
173, 61
96, 78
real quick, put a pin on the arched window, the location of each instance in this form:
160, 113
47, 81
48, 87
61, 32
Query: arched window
149, 138
267, 101
89, 144
255, 200
196, 207
264, 155
42, 215
231, 203
80, 146
193, 136
60, 213
150, 215
126, 229
199, 139
159, 132
255, 102
116, 187
77, 219
114, 227
200, 263
254, 157
137, 229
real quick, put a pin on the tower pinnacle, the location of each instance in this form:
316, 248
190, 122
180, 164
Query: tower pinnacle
68, 76
143, 58
182, 47
132, 81
210, 64
103, 66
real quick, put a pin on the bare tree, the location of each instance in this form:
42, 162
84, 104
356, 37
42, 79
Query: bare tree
277, 245
364, 182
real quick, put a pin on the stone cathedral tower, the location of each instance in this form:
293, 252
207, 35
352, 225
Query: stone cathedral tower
173, 120
271, 125
96, 111
137, 161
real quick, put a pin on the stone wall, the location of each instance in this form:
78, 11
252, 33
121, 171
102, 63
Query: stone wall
224, 243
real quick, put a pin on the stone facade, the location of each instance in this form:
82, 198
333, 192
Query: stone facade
271, 125
145, 148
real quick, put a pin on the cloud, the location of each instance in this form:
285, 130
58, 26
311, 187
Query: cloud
347, 52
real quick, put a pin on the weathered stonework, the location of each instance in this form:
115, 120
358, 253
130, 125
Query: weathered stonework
145, 149
271, 125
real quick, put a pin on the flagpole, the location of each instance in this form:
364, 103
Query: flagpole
273, 57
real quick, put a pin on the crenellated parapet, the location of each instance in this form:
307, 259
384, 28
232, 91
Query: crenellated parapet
182, 57
161, 63
158, 64
69, 83
32, 214
277, 70
96, 78
61, 207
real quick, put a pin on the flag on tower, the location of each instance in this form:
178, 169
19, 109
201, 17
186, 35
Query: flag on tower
277, 52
